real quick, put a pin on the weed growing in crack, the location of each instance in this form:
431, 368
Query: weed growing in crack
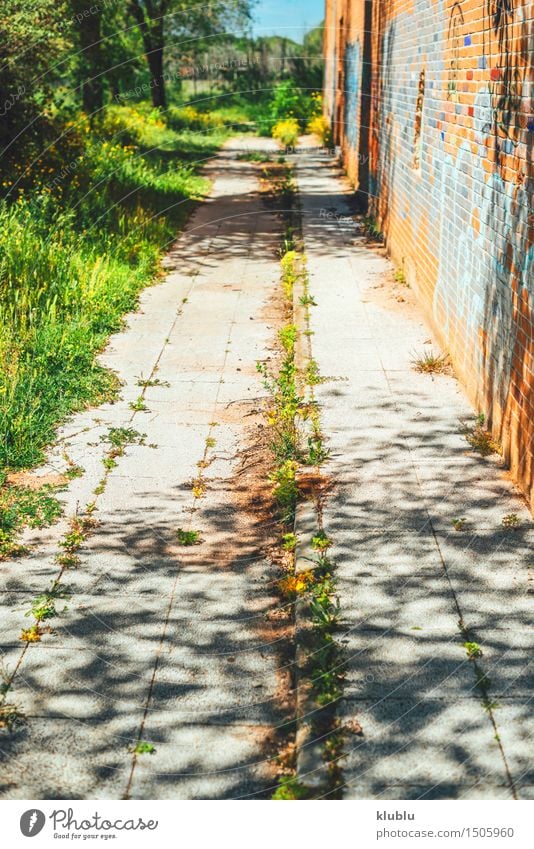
31, 635
289, 542
459, 524
289, 269
43, 606
187, 538
312, 375
320, 542
479, 438
120, 437
11, 717
143, 748
281, 418
198, 488
316, 454
291, 586
154, 381
511, 520
482, 679
211, 442
100, 487
324, 677
289, 789
325, 656
74, 538
68, 560
285, 489
288, 337
293, 403
430, 363
138, 405
325, 610
473, 650
74, 471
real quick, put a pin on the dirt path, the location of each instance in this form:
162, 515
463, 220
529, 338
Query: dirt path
162, 643
433, 586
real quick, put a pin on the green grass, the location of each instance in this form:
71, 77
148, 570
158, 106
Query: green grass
20, 507
74, 255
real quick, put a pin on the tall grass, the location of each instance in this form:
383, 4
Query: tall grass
74, 254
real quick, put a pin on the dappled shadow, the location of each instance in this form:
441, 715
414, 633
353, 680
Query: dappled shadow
431, 542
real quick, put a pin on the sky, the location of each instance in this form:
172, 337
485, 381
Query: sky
291, 18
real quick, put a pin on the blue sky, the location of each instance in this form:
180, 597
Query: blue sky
287, 17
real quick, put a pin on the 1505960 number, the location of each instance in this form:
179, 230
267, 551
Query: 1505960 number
490, 832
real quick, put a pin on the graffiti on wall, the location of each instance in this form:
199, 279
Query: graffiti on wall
352, 93
509, 72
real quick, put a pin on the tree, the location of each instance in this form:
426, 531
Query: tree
27, 74
180, 20
88, 26
150, 18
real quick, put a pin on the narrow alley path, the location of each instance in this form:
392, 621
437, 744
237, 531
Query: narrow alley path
167, 673
423, 561
160, 642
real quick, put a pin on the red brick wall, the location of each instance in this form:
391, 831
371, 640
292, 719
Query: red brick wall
447, 127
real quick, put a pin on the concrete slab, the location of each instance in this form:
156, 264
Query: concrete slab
171, 642
441, 746
406, 572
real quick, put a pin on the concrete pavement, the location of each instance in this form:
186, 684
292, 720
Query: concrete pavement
402, 473
161, 643
183, 648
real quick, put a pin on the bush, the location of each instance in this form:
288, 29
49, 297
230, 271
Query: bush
287, 132
320, 127
188, 118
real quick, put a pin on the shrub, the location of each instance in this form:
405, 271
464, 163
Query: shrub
319, 127
287, 132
